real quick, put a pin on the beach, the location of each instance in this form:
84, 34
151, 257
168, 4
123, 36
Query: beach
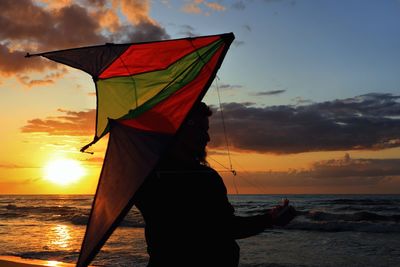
331, 230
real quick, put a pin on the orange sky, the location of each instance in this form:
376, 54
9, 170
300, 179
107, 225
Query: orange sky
279, 144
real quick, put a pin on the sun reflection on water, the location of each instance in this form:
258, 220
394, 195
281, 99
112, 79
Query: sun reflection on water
54, 264
60, 236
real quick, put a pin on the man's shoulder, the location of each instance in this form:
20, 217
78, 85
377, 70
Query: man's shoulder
207, 169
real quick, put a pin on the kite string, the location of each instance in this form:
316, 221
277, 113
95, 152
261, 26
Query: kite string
228, 170
224, 127
220, 107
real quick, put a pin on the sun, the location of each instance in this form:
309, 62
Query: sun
63, 171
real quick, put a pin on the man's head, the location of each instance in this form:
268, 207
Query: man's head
193, 136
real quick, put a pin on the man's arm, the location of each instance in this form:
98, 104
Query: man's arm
243, 227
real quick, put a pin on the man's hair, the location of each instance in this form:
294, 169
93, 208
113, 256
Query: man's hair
201, 110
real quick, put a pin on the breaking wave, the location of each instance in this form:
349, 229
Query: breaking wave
73, 215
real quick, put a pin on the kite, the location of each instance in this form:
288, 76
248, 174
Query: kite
144, 93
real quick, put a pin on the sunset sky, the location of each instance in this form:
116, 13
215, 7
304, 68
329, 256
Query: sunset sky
310, 91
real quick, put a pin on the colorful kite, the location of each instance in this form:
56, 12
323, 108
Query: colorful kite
144, 93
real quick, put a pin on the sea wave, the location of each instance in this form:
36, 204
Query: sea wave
73, 215
317, 218
392, 209
136, 222
361, 202
342, 226
361, 221
356, 216
42, 209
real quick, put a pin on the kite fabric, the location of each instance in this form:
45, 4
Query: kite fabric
144, 93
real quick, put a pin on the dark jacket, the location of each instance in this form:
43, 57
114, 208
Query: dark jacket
189, 220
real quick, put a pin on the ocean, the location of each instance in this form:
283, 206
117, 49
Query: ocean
330, 230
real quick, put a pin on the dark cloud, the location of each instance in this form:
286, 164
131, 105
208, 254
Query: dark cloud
13, 62
187, 30
34, 28
142, 32
99, 3
360, 168
301, 101
226, 86
335, 172
70, 123
29, 27
23, 20
272, 92
370, 121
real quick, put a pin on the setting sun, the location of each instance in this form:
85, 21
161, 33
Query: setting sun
63, 171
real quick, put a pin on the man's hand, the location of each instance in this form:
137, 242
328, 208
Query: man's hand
281, 215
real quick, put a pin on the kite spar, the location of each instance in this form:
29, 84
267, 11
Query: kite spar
144, 93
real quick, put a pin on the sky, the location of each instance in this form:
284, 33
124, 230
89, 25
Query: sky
309, 91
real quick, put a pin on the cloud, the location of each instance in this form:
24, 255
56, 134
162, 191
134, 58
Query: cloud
142, 32
202, 7
71, 123
30, 83
109, 20
192, 8
332, 173
370, 121
187, 30
54, 25
51, 4
239, 5
242, 4
368, 169
47, 29
10, 166
247, 27
94, 160
13, 62
136, 11
17, 182
272, 92
301, 101
46, 80
226, 86
238, 43
215, 6
7, 165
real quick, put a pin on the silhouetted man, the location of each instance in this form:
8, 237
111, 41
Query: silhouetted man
189, 220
